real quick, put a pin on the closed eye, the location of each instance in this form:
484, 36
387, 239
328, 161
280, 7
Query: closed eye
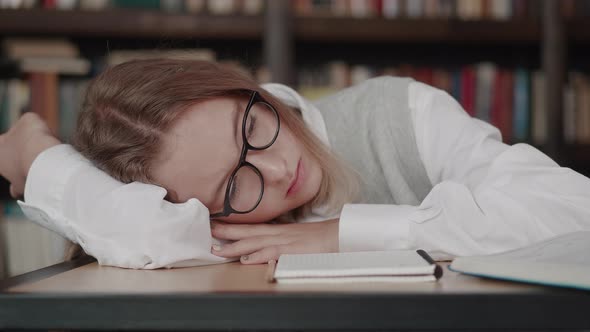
233, 191
251, 127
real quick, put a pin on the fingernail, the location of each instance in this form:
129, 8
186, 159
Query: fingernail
245, 257
216, 247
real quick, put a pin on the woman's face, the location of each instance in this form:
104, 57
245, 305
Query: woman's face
203, 148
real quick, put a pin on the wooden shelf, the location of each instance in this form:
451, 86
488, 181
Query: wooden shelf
131, 23
578, 30
578, 154
334, 29
134, 23
156, 24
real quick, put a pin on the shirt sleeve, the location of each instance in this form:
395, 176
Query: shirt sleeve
487, 197
124, 225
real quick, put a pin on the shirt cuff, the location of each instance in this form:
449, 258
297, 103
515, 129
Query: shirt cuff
375, 227
49, 174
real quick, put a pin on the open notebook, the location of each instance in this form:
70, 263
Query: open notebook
369, 266
560, 261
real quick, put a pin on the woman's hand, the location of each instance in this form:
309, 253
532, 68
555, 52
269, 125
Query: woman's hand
23, 142
260, 243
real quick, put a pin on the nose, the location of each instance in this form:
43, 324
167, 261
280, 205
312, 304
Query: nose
274, 168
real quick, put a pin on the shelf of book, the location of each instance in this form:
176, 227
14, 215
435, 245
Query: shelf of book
511, 40
146, 23
156, 24
128, 23
338, 29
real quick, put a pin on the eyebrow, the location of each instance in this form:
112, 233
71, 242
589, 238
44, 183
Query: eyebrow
235, 120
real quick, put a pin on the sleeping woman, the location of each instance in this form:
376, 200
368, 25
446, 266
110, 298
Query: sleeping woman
181, 163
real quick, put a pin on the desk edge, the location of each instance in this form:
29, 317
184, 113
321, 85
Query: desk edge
44, 273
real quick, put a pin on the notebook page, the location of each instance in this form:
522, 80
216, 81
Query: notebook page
370, 263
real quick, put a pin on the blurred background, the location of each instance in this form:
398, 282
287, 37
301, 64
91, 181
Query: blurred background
521, 65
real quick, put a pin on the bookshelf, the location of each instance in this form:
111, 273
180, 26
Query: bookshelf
406, 30
553, 57
154, 24
282, 40
129, 23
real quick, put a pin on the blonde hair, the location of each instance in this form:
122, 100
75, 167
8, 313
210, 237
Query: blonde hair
129, 108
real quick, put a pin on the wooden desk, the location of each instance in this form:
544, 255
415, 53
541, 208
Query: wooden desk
83, 295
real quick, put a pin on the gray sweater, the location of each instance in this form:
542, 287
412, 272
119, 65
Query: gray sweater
369, 126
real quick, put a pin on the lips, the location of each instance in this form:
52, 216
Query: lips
295, 184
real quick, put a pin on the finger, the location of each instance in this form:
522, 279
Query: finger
239, 232
246, 246
264, 255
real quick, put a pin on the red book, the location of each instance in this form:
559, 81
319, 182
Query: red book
501, 111
424, 75
378, 5
468, 89
495, 118
508, 104
44, 92
49, 4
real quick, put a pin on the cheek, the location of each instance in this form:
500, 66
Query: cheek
286, 137
316, 176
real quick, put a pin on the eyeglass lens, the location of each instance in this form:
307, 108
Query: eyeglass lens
261, 125
260, 130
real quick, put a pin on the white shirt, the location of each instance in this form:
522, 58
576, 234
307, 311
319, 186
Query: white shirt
487, 197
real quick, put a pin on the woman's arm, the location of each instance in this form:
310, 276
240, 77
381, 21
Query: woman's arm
20, 146
487, 196
124, 225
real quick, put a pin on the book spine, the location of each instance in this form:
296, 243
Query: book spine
485, 73
569, 113
521, 108
468, 89
539, 114
44, 98
583, 110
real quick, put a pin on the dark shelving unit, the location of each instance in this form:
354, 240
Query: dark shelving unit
130, 23
281, 36
452, 31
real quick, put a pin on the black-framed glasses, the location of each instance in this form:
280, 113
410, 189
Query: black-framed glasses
260, 128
